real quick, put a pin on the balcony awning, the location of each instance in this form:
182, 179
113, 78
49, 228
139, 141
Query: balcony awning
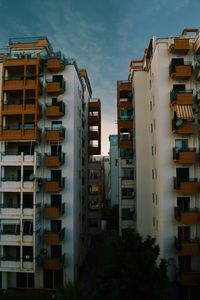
184, 112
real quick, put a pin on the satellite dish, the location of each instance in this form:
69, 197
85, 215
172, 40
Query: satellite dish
60, 98
179, 122
31, 177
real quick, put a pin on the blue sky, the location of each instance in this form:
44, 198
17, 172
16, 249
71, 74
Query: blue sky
102, 35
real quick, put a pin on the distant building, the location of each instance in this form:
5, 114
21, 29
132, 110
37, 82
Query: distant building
126, 155
114, 187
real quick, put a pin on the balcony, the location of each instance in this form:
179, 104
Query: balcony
51, 161
180, 45
54, 211
94, 135
182, 71
55, 111
188, 187
53, 263
54, 135
187, 247
55, 87
94, 150
15, 159
16, 133
181, 97
9, 263
54, 238
10, 237
55, 64
185, 156
191, 278
188, 217
183, 128
14, 184
11, 84
93, 120
18, 109
54, 186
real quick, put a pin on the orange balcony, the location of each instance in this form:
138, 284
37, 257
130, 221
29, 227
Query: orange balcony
53, 211
19, 84
188, 217
13, 62
54, 186
53, 263
54, 135
17, 109
189, 187
9, 134
180, 46
188, 278
51, 161
94, 135
55, 64
187, 248
185, 156
181, 97
55, 88
184, 128
93, 120
183, 71
55, 111
94, 150
53, 238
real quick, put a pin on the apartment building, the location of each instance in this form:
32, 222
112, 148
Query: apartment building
126, 157
166, 99
114, 190
43, 165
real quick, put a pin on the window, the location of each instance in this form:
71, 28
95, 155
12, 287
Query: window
127, 173
128, 213
128, 192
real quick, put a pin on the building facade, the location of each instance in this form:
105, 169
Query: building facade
114, 190
166, 100
126, 157
44, 159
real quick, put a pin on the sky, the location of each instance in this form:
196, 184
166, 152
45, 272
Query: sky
102, 35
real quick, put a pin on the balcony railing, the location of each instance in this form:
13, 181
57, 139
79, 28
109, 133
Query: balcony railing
55, 87
19, 83
181, 97
18, 109
54, 111
184, 128
54, 237
187, 247
187, 217
54, 135
191, 278
51, 160
53, 263
53, 185
16, 133
182, 71
187, 187
180, 45
185, 155
55, 64
52, 211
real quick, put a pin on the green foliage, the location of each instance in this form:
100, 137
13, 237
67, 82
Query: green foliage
132, 272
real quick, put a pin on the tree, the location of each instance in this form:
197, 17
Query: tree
132, 272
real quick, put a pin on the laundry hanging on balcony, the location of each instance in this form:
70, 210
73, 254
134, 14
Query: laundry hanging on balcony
184, 112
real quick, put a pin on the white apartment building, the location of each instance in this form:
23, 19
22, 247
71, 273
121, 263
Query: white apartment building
43, 165
166, 99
